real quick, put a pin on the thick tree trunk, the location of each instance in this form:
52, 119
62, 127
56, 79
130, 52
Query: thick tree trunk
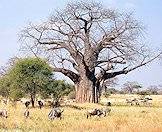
32, 100
86, 91
33, 94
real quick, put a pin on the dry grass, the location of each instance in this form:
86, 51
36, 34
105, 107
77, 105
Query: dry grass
121, 119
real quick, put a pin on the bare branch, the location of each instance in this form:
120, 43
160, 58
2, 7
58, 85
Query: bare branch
73, 76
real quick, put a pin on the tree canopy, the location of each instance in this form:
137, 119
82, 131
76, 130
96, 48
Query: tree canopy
27, 76
58, 88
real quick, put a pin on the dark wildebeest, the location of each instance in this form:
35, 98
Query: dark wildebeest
26, 113
129, 101
148, 98
5, 101
40, 103
93, 112
105, 111
3, 113
55, 113
108, 104
27, 103
98, 112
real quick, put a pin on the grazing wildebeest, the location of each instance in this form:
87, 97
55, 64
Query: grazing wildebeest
147, 98
40, 103
55, 113
146, 101
108, 104
129, 101
92, 112
27, 103
3, 113
97, 112
5, 101
26, 113
134, 101
105, 111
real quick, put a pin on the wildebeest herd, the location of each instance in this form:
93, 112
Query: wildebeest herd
56, 112
139, 101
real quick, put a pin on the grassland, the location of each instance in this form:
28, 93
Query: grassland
121, 119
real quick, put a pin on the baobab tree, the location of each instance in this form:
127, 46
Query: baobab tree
89, 43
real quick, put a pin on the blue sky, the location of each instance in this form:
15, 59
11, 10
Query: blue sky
15, 14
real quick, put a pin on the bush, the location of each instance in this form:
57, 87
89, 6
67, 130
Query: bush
71, 95
143, 93
106, 94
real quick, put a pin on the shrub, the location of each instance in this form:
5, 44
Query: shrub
106, 94
71, 95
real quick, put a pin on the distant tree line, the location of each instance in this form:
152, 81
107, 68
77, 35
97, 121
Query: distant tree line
131, 88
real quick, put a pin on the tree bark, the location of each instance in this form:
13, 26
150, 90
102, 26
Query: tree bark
86, 91
32, 100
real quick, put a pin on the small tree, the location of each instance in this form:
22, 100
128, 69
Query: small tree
108, 84
153, 89
131, 87
29, 76
58, 88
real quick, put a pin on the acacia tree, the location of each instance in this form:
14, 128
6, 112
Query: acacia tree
153, 89
108, 84
29, 76
89, 44
130, 87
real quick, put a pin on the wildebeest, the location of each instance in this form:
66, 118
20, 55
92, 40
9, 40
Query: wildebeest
40, 103
146, 102
3, 113
148, 98
5, 101
92, 112
108, 104
26, 113
134, 101
27, 103
55, 113
129, 101
98, 112
105, 111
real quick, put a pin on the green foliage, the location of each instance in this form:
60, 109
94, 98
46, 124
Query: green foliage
58, 88
112, 91
27, 76
30, 73
5, 86
71, 95
16, 94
